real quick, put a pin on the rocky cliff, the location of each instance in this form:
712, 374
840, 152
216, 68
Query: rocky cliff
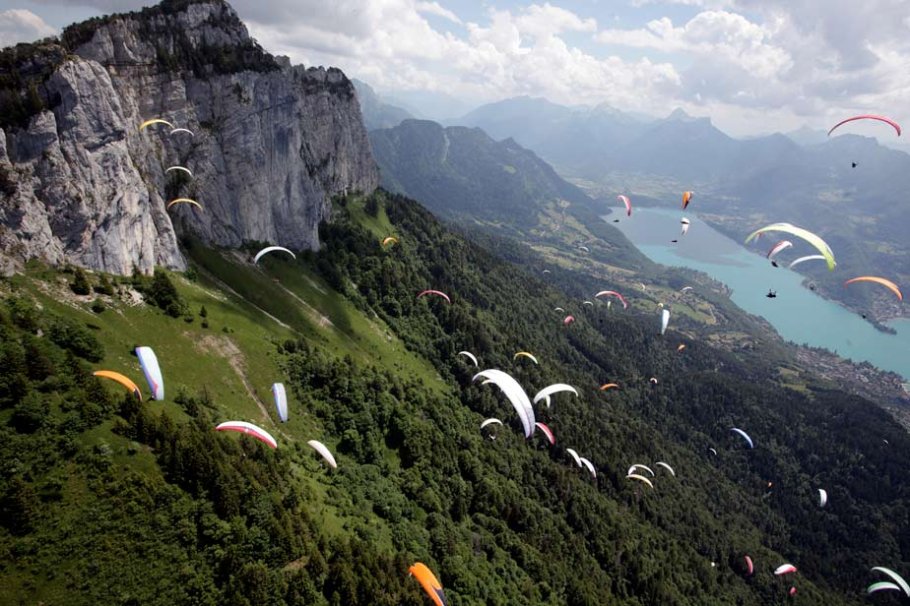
79, 183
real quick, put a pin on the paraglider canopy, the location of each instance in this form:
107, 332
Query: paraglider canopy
546, 431
152, 371
883, 281
324, 451
686, 198
884, 119
625, 200
183, 201
281, 401
514, 393
119, 378
784, 569
429, 582
438, 293
269, 249
640, 478
470, 356
612, 293
180, 168
744, 435
525, 355
895, 577
568, 320
546, 392
249, 429
667, 467
389, 240
148, 123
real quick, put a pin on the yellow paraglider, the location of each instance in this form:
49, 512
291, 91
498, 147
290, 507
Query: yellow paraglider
799, 232
526, 355
607, 386
183, 201
148, 123
681, 347
886, 283
116, 376
389, 240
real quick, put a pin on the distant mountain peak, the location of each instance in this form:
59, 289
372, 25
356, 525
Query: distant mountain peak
680, 114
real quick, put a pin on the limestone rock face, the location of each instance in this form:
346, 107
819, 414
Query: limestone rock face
271, 143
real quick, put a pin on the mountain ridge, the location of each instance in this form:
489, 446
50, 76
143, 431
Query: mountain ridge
270, 143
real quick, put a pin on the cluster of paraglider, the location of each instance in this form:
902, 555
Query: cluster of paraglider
826, 254
524, 408
175, 168
148, 361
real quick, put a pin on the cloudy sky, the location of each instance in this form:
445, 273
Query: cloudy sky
753, 66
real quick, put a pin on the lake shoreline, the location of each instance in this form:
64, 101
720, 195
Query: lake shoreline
798, 314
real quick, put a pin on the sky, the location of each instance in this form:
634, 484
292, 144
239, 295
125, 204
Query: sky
752, 66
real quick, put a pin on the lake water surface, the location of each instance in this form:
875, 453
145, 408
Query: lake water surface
797, 313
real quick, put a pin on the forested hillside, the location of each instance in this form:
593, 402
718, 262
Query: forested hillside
104, 498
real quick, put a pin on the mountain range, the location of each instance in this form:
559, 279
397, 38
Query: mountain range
847, 188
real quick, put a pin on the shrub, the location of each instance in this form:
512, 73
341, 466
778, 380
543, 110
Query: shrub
80, 284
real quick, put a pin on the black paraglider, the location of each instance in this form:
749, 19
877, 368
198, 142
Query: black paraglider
853, 165
774, 263
772, 294
674, 241
615, 220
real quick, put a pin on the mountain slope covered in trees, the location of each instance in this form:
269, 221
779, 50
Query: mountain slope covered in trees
105, 497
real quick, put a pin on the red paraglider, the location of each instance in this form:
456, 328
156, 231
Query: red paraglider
894, 124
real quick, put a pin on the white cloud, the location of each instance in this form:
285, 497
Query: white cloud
717, 35
794, 58
434, 8
391, 45
19, 25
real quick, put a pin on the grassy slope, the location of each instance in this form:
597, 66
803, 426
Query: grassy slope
233, 361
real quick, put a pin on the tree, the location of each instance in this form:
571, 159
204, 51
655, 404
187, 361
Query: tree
163, 293
80, 284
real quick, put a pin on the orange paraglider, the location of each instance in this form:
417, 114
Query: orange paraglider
429, 582
116, 376
886, 283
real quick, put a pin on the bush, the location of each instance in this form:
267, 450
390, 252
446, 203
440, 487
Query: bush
98, 306
80, 284
162, 293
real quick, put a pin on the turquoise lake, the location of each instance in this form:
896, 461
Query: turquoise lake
798, 314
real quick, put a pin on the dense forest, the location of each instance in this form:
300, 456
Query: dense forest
103, 497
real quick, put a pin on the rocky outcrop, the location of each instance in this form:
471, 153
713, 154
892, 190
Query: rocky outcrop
79, 183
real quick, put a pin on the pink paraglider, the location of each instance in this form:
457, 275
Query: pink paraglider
438, 293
